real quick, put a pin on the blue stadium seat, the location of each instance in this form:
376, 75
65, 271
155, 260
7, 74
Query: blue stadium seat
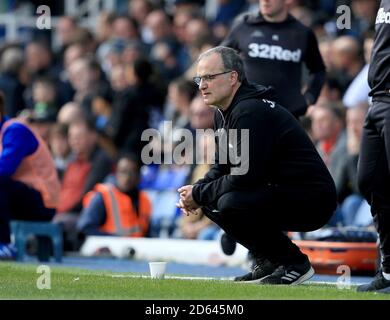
44, 231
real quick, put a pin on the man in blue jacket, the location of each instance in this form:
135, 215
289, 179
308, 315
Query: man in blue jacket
29, 185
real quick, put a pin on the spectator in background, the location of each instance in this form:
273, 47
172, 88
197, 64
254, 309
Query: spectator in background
102, 113
347, 57
102, 107
118, 208
69, 113
354, 210
45, 104
187, 5
59, 147
39, 59
357, 92
65, 31
133, 106
139, 10
132, 51
180, 94
40, 64
104, 26
118, 79
332, 90
165, 48
29, 185
89, 166
325, 47
179, 28
196, 29
85, 38
227, 10
123, 29
302, 14
11, 65
328, 129
86, 77
72, 53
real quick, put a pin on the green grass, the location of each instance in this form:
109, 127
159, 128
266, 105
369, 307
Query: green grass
19, 281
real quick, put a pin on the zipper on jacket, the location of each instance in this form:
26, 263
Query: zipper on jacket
223, 118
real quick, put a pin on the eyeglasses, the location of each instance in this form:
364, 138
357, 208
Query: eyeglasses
208, 77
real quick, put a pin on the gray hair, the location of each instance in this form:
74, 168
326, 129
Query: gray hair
231, 60
12, 60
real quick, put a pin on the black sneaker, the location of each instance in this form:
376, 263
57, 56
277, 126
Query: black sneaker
228, 244
290, 274
262, 268
379, 284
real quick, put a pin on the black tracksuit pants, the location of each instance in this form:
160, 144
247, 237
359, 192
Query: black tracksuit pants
258, 219
374, 172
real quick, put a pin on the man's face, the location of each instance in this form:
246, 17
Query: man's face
79, 75
217, 90
65, 30
324, 124
81, 139
272, 8
127, 175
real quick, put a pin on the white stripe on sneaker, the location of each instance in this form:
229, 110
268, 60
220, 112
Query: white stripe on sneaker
288, 279
304, 277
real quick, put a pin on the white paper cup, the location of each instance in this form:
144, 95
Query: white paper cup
157, 269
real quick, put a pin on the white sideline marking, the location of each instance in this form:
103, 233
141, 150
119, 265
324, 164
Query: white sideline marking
171, 277
203, 278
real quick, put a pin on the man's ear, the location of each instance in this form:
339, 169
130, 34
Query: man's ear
234, 77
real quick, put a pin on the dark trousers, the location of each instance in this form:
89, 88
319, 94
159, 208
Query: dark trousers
19, 202
259, 219
374, 172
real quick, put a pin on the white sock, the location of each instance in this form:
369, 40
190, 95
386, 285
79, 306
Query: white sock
386, 275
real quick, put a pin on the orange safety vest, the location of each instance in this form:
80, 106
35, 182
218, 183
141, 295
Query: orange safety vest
121, 217
37, 170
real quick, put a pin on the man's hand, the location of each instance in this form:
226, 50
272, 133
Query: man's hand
186, 201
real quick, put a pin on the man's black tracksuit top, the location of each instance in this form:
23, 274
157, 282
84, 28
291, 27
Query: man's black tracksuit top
280, 151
